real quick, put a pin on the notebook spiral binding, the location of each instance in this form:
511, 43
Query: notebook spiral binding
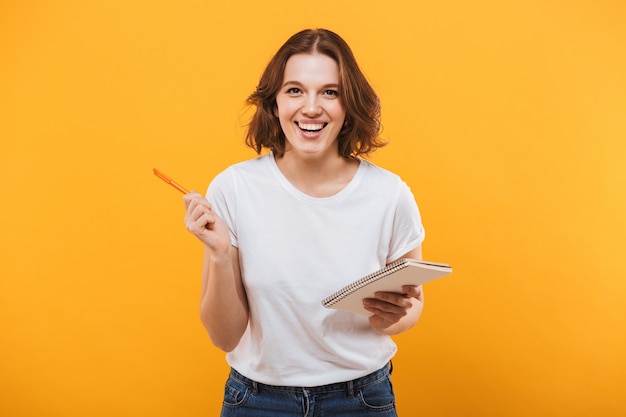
339, 295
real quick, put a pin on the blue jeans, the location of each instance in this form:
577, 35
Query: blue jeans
371, 395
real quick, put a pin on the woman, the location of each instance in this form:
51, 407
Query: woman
284, 230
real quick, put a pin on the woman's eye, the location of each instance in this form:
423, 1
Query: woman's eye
293, 90
332, 93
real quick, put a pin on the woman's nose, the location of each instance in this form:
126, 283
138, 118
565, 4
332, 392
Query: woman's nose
312, 106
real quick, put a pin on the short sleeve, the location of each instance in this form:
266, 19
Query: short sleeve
408, 231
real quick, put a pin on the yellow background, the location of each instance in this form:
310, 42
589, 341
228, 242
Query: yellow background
506, 118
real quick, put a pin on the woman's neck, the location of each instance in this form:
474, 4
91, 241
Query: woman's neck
318, 177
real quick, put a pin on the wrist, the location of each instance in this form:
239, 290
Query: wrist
218, 256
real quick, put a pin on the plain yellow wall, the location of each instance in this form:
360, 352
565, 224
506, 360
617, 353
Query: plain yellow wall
507, 119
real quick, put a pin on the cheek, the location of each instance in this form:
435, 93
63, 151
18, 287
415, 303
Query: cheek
283, 118
283, 110
339, 115
338, 111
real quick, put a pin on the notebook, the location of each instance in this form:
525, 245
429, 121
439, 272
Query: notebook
390, 279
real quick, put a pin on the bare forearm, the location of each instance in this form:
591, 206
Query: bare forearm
223, 305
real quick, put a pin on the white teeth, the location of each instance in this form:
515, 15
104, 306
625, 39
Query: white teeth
310, 126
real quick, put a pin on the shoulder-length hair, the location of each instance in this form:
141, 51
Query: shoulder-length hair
360, 134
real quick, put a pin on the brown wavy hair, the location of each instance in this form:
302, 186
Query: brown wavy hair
360, 134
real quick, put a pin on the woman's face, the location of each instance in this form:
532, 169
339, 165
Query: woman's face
308, 105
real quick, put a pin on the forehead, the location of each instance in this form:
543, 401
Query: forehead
311, 68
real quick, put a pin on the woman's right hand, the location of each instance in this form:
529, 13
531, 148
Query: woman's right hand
205, 224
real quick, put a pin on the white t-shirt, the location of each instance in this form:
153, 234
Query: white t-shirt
294, 251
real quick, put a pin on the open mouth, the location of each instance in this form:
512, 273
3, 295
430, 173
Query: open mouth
311, 127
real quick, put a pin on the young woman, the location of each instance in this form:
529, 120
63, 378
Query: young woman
284, 230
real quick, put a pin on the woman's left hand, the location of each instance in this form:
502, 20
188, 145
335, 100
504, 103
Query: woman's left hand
393, 313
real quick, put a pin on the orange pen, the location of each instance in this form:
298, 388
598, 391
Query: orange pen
169, 181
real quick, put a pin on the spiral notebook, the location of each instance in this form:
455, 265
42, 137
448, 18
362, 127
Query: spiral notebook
389, 279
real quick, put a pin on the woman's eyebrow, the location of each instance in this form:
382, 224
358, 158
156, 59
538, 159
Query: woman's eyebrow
299, 84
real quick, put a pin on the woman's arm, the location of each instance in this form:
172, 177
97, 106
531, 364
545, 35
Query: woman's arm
223, 302
395, 313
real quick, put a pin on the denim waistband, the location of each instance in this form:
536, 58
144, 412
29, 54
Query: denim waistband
348, 386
